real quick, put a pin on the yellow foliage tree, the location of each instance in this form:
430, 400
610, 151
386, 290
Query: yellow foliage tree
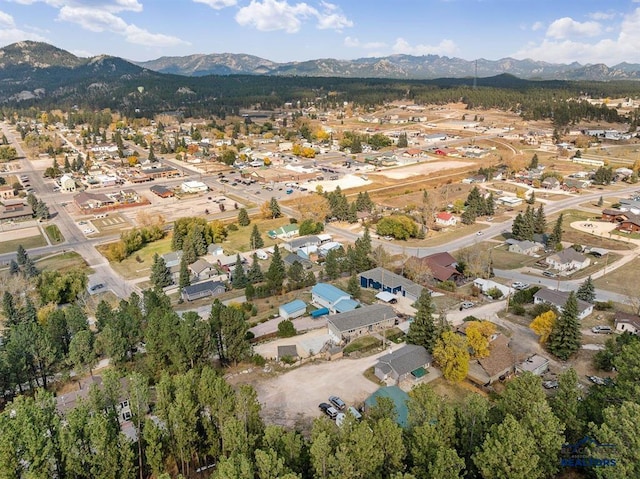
296, 149
322, 135
44, 312
451, 352
520, 193
315, 208
132, 160
265, 211
543, 324
479, 337
308, 153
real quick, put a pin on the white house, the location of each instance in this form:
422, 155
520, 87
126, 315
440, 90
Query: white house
446, 219
293, 309
67, 184
568, 260
486, 285
529, 248
627, 323
334, 299
558, 299
194, 187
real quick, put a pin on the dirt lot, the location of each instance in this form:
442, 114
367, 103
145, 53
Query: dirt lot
293, 397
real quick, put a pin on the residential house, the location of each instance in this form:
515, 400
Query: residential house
302, 242
575, 183
67, 184
446, 219
559, 298
630, 224
6, 192
510, 201
162, 191
535, 364
17, 211
486, 285
202, 290
442, 267
627, 323
568, 260
497, 366
172, 258
410, 362
526, 247
293, 309
613, 215
344, 327
215, 250
550, 183
382, 279
293, 257
324, 248
284, 232
326, 295
87, 201
202, 269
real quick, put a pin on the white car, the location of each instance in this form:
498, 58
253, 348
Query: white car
88, 231
519, 285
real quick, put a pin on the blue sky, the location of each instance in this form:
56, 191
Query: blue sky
559, 31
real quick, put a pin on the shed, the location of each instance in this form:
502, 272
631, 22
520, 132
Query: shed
293, 309
287, 351
535, 364
399, 398
386, 297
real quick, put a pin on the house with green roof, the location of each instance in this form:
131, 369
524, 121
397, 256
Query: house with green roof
284, 232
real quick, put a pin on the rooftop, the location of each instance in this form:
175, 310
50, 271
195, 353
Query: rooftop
364, 316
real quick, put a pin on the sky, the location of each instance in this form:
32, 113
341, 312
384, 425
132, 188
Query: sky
558, 31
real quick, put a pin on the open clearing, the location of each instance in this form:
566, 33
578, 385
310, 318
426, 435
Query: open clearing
624, 280
423, 168
20, 233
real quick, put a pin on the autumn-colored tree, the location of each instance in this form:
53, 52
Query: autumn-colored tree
315, 208
265, 211
452, 354
543, 324
479, 337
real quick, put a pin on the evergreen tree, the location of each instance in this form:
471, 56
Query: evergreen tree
21, 255
296, 276
540, 222
556, 235
274, 206
184, 279
160, 274
243, 217
254, 275
9, 310
517, 228
14, 267
152, 155
531, 200
362, 252
423, 330
601, 202
564, 339
29, 269
490, 204
238, 278
468, 216
534, 162
402, 141
276, 273
587, 291
331, 266
353, 287
256, 240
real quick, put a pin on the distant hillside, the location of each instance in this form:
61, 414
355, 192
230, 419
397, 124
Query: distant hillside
394, 66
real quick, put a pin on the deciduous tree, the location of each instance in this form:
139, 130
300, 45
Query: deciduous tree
452, 355
543, 324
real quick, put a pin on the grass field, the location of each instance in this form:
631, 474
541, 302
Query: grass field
63, 262
238, 241
503, 259
454, 392
54, 234
139, 263
27, 243
579, 237
623, 280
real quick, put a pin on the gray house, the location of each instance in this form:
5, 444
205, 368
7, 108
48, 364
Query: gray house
523, 247
559, 298
409, 362
202, 290
360, 322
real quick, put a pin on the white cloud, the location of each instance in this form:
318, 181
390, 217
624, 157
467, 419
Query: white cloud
537, 26
273, 15
567, 27
9, 33
355, 43
445, 47
218, 4
602, 15
6, 20
113, 6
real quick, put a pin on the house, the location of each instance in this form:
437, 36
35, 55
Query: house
627, 323
202, 269
498, 365
442, 267
302, 242
172, 259
510, 201
162, 191
535, 364
612, 215
446, 219
324, 248
326, 295
6, 192
568, 260
293, 257
575, 183
215, 250
67, 184
382, 279
486, 285
194, 187
86, 201
550, 183
293, 309
526, 247
288, 351
399, 399
202, 290
344, 327
630, 224
284, 232
410, 362
559, 298
15, 212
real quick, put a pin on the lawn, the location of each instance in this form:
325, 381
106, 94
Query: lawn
454, 392
138, 265
63, 262
579, 237
503, 259
54, 234
239, 241
623, 280
27, 243
363, 343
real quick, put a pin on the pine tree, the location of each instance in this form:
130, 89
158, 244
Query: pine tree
243, 217
14, 267
565, 337
239, 278
587, 291
274, 206
21, 255
534, 162
276, 273
353, 286
490, 204
532, 198
517, 229
556, 236
601, 202
254, 275
29, 268
256, 240
184, 279
423, 331
9, 310
160, 274
540, 220
402, 141
331, 266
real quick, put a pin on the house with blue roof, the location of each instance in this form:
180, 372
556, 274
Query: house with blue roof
293, 309
326, 295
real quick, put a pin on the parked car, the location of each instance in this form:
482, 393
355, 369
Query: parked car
337, 402
550, 384
519, 285
328, 409
602, 330
597, 380
549, 274
96, 287
466, 305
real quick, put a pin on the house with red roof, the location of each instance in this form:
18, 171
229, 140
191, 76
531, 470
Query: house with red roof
446, 219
